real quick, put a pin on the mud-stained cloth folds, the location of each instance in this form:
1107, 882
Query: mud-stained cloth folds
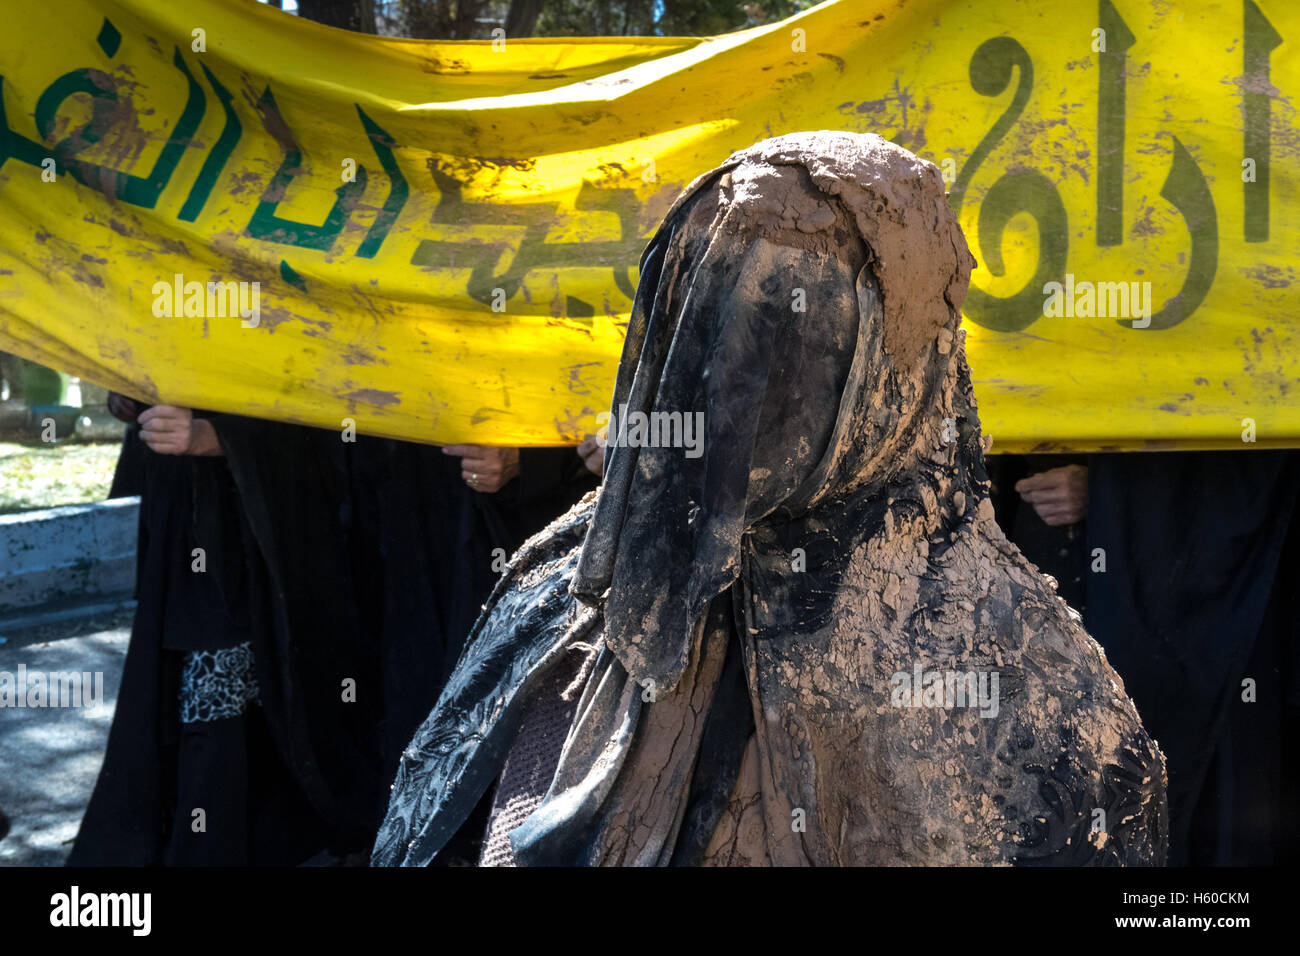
810, 644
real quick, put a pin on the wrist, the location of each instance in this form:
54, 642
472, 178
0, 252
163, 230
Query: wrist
511, 469
203, 438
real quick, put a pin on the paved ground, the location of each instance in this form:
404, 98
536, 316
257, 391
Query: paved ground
50, 756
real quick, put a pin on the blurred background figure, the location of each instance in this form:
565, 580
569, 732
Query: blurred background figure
1193, 563
1184, 565
246, 728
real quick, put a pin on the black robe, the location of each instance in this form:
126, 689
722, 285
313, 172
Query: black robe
277, 547
435, 550
1055, 550
1202, 559
364, 561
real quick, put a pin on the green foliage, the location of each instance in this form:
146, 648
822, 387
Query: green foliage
475, 19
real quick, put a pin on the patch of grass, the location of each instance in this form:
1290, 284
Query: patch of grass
47, 476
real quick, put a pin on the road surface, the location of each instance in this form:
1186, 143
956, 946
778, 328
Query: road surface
50, 756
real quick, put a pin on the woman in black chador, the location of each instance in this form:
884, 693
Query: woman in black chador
235, 739
807, 642
301, 599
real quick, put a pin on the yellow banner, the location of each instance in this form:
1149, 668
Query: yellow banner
218, 205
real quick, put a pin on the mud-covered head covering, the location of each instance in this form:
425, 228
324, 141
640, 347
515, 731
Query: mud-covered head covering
805, 298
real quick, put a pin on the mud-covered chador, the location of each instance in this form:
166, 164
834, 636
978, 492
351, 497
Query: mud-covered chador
726, 632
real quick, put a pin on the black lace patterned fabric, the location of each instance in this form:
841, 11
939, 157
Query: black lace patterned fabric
216, 685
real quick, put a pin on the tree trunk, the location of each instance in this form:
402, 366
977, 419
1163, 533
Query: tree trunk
521, 21
356, 15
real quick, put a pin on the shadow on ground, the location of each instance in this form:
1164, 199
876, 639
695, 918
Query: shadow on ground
51, 755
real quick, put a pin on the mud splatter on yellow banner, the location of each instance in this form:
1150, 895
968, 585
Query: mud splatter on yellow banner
218, 205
